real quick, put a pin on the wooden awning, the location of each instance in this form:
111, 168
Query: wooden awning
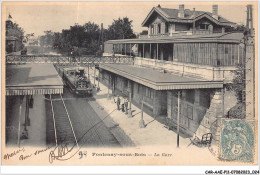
157, 80
30, 79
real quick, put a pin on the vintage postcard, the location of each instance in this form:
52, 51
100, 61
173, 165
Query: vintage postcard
130, 83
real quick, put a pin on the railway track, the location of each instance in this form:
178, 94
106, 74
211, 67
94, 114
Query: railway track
75, 122
63, 131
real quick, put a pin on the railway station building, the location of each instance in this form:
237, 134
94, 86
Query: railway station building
189, 56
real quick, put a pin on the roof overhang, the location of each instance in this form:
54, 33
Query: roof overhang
214, 38
31, 79
159, 81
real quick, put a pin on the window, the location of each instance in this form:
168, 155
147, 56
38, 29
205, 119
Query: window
190, 112
152, 94
159, 28
184, 111
226, 50
204, 26
82, 84
138, 88
125, 83
190, 96
166, 28
204, 99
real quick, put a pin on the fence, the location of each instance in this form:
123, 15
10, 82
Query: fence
66, 60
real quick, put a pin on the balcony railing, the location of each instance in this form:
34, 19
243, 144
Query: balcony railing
64, 60
159, 35
205, 72
179, 33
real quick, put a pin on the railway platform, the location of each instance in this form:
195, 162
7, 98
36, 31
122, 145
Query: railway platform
25, 107
153, 134
36, 131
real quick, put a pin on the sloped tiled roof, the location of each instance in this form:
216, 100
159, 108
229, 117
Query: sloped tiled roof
173, 13
170, 14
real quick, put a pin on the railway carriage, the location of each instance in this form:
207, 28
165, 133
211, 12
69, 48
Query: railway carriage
77, 81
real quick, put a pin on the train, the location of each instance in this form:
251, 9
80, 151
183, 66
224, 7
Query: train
76, 80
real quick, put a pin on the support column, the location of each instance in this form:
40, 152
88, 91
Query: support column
150, 50
108, 86
143, 50
193, 28
25, 131
88, 71
141, 123
172, 51
130, 99
19, 123
223, 104
125, 49
130, 49
95, 75
178, 120
98, 88
157, 52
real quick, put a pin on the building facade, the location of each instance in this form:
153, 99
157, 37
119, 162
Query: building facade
187, 56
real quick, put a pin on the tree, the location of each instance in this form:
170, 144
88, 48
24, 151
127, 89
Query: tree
47, 39
238, 86
14, 30
121, 29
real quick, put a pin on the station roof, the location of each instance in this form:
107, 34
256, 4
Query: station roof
30, 79
158, 80
212, 38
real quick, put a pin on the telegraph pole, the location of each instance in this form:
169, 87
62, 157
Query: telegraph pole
250, 66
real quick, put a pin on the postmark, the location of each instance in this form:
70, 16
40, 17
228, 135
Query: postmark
237, 140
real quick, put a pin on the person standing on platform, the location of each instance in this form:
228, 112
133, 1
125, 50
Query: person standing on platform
123, 106
118, 102
126, 105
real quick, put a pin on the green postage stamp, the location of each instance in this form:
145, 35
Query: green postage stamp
237, 140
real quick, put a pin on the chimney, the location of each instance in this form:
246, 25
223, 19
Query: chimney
215, 11
181, 11
159, 6
193, 13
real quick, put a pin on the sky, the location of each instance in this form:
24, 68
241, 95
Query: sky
37, 17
